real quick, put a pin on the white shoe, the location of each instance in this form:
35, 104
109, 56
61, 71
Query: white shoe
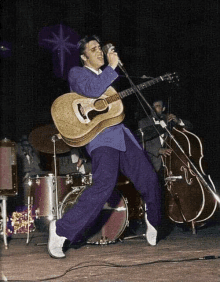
55, 242
151, 233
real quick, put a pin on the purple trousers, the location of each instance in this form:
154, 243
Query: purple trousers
106, 163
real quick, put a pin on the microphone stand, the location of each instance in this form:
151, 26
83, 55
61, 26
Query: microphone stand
164, 125
53, 139
136, 90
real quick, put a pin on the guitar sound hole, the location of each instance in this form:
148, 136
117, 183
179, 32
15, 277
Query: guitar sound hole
100, 104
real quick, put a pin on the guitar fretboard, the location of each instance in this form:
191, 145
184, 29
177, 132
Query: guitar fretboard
141, 86
113, 98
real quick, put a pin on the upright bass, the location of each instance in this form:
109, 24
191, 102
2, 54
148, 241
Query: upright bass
191, 195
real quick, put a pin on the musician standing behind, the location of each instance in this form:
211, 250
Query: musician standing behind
112, 150
74, 162
155, 146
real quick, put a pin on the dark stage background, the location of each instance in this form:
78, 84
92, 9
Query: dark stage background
152, 38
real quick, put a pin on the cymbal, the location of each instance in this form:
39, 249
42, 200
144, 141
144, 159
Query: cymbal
41, 139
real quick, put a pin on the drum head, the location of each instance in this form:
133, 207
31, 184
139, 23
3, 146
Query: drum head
70, 200
111, 222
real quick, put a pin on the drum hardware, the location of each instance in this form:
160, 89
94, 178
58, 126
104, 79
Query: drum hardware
37, 180
69, 179
135, 236
76, 189
104, 241
87, 179
79, 179
114, 209
37, 212
142, 210
30, 219
30, 181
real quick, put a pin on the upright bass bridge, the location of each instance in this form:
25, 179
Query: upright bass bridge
189, 181
173, 178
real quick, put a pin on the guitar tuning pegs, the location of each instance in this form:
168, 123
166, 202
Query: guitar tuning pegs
174, 78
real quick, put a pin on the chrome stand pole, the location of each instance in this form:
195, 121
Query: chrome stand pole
55, 174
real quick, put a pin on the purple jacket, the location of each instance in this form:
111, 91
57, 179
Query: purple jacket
87, 83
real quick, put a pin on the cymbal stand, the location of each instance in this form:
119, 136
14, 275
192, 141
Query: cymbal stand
53, 139
28, 215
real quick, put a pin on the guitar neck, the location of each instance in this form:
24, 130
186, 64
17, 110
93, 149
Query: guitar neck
141, 86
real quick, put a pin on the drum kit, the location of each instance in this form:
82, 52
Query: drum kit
51, 196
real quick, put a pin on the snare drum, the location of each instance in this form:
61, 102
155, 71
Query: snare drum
43, 193
112, 220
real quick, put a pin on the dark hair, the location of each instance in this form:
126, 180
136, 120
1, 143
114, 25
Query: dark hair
158, 100
82, 43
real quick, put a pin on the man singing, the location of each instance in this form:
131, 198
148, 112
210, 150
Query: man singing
112, 150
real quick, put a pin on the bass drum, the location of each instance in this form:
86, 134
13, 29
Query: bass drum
110, 223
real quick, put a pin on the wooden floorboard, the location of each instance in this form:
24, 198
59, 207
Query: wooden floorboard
180, 255
177, 257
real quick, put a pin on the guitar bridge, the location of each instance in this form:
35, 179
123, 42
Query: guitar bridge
81, 111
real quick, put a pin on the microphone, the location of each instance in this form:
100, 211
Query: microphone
109, 47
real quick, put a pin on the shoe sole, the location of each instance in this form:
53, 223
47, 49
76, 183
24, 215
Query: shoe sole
55, 256
49, 249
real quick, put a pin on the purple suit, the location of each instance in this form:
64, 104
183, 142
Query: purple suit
112, 150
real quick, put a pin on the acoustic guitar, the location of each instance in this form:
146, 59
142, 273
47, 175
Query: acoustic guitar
80, 119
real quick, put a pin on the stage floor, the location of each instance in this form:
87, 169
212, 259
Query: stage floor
177, 257
180, 255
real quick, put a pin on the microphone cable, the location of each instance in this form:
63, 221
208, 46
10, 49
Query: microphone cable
109, 264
